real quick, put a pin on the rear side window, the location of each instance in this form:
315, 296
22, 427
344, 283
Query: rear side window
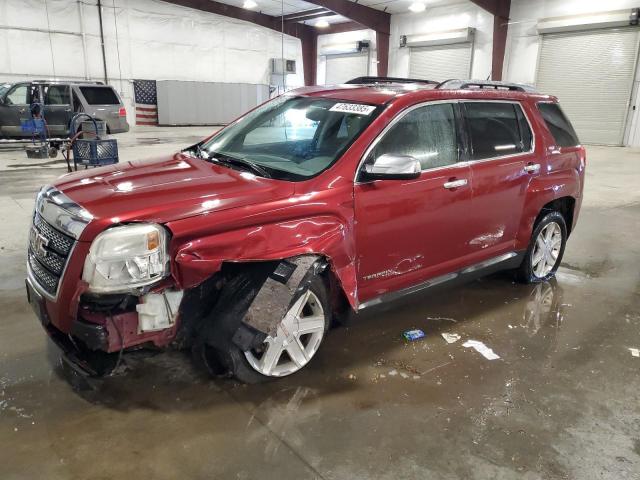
496, 129
427, 133
100, 95
56, 95
558, 124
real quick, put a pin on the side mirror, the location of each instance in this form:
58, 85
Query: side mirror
392, 167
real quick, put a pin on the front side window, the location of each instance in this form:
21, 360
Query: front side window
100, 95
4, 87
427, 133
494, 130
18, 96
56, 95
292, 138
558, 124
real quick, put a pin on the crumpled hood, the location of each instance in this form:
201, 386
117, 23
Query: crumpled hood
166, 189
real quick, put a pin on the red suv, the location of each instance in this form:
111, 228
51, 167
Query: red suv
321, 202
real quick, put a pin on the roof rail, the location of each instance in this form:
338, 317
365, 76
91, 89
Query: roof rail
488, 84
74, 82
376, 80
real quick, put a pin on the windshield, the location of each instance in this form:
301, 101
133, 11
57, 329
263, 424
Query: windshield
292, 138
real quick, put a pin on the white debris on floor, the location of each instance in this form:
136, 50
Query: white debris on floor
635, 352
482, 349
446, 319
450, 337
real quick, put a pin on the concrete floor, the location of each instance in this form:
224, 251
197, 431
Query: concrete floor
562, 402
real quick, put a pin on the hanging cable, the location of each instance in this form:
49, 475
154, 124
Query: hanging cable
53, 62
115, 24
104, 56
284, 70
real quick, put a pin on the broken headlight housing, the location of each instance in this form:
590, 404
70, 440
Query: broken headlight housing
122, 259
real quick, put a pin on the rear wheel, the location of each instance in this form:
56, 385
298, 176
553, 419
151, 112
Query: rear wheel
545, 250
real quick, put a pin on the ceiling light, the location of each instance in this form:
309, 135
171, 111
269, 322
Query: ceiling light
417, 7
322, 23
249, 4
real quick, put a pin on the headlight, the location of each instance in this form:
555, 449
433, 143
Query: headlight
123, 258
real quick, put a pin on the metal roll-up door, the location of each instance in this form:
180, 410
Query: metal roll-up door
441, 62
591, 72
342, 68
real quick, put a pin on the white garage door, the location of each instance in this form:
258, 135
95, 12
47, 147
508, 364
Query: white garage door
441, 62
591, 73
342, 68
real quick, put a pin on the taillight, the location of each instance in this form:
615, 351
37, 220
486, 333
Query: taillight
122, 112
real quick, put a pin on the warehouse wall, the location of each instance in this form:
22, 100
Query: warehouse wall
438, 19
145, 39
342, 38
523, 40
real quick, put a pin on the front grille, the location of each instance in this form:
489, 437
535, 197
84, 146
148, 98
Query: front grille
58, 241
49, 251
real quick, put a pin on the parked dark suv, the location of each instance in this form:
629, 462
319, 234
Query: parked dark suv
323, 201
61, 101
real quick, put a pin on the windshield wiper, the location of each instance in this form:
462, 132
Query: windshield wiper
240, 162
201, 152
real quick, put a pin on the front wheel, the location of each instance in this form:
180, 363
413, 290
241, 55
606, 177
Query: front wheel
545, 250
296, 341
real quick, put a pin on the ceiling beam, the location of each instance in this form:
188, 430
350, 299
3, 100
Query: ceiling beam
274, 23
307, 14
340, 28
307, 34
498, 8
366, 16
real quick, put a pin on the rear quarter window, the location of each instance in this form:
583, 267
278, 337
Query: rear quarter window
558, 124
100, 95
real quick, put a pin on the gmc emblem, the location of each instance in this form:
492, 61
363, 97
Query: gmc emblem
38, 242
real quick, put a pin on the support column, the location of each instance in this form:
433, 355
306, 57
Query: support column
309, 40
500, 29
382, 48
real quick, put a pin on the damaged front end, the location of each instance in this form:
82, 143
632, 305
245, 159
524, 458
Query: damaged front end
128, 296
124, 296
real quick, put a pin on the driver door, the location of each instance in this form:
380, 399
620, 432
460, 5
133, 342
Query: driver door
410, 231
15, 109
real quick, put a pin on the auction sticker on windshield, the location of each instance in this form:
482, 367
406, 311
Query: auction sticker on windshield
356, 108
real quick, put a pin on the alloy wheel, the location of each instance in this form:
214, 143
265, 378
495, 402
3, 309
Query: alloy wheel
546, 250
296, 341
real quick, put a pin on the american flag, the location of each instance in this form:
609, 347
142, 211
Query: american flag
146, 102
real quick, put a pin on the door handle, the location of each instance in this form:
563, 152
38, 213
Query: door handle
451, 184
532, 168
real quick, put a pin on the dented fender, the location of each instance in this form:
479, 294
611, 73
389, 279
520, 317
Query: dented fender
200, 245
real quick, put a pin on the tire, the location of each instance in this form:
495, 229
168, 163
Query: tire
224, 356
534, 268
